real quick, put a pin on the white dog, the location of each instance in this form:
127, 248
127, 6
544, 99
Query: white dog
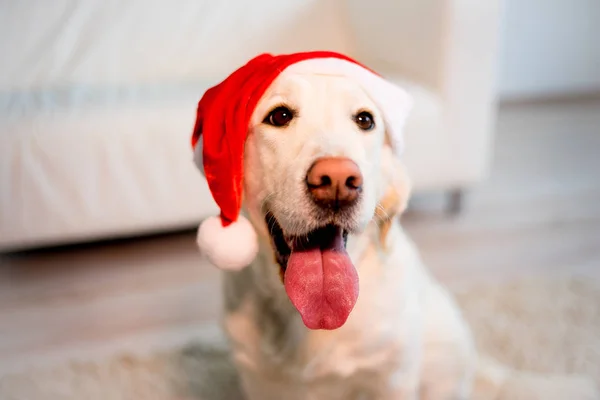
323, 190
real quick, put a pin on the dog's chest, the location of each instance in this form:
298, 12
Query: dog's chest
350, 352
369, 344
372, 338
378, 342
328, 365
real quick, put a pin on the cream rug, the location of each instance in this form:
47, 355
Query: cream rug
550, 326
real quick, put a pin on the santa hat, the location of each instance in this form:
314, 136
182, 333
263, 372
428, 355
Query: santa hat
222, 122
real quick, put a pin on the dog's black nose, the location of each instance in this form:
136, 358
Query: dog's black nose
334, 182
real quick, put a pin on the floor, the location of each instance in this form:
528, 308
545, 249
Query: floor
537, 214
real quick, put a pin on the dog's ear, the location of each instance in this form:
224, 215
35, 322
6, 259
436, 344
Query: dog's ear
396, 193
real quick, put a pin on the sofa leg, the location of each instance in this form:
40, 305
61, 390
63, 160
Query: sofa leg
455, 201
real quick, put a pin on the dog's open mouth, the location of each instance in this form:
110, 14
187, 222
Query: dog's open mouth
318, 275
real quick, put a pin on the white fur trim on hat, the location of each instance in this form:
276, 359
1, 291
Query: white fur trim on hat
230, 248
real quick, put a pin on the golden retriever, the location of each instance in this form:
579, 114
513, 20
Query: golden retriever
324, 190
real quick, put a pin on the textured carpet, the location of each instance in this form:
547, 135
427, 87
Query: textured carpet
550, 326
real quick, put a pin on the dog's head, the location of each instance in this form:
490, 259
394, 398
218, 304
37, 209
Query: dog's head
313, 154
318, 165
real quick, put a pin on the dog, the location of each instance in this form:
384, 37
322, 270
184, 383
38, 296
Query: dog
324, 189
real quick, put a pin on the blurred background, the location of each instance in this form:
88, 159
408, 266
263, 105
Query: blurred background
99, 196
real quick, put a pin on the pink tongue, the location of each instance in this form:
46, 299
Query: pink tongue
322, 284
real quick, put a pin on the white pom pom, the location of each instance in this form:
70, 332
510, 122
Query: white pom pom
232, 247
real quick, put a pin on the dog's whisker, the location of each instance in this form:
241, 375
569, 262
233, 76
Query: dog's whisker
266, 200
378, 217
270, 223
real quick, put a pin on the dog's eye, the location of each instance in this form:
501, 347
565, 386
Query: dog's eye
364, 120
280, 116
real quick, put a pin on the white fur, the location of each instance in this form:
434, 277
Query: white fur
231, 248
405, 338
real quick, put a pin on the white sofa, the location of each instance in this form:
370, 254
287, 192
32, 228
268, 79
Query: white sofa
98, 97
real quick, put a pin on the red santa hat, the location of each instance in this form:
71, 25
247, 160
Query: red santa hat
222, 122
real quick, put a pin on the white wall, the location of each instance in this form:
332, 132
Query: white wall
549, 47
